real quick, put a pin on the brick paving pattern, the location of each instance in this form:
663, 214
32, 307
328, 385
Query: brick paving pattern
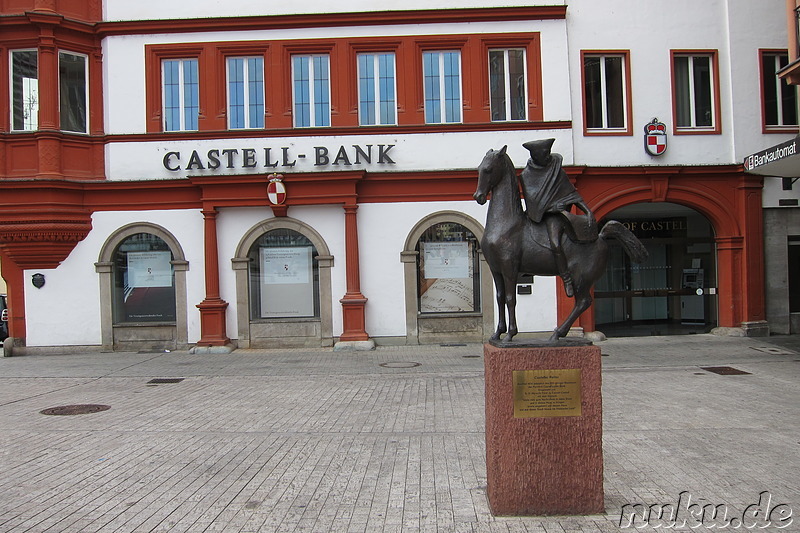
316, 440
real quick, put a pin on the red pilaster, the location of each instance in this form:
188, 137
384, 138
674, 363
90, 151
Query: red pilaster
13, 275
353, 303
212, 309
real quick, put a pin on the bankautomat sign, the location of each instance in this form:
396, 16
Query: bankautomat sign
771, 155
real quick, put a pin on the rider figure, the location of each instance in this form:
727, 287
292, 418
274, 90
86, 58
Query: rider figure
548, 191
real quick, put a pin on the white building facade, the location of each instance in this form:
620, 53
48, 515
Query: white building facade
246, 175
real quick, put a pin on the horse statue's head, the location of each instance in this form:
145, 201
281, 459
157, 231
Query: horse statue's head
492, 169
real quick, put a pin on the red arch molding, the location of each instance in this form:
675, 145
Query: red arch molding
728, 197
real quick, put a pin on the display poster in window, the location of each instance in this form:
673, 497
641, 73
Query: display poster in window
149, 269
287, 288
149, 295
447, 278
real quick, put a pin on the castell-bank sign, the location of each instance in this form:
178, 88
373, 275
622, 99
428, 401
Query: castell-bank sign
222, 160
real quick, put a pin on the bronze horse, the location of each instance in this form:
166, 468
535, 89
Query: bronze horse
514, 244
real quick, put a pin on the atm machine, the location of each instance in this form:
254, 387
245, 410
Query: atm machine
693, 305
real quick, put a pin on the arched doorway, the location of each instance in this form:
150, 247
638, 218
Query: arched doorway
675, 291
283, 286
142, 272
448, 285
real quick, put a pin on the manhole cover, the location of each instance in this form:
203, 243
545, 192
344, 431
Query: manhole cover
399, 364
157, 381
725, 370
81, 409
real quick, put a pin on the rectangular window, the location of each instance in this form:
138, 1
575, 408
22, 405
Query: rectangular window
376, 89
442, 86
507, 93
695, 88
181, 94
312, 91
73, 83
780, 98
245, 92
606, 100
24, 90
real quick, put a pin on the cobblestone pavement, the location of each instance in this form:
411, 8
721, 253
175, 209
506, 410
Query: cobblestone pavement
390, 440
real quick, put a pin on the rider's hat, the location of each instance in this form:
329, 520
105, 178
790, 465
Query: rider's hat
539, 149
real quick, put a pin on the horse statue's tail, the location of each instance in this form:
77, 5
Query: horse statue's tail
633, 246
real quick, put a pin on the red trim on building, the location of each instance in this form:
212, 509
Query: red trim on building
331, 20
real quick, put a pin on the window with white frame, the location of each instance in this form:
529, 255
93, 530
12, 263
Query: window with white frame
507, 91
73, 84
694, 90
605, 92
245, 92
311, 90
181, 94
377, 101
24, 90
780, 98
442, 86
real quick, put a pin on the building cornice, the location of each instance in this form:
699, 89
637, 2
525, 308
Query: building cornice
329, 20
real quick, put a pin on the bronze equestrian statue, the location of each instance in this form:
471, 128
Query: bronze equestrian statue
545, 241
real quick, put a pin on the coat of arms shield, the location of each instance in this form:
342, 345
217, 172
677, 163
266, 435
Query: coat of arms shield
655, 137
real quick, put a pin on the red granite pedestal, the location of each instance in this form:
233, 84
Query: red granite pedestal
542, 462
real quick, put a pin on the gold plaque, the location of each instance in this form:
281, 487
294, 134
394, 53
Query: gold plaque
547, 393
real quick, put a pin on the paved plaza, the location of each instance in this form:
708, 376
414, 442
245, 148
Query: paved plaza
389, 440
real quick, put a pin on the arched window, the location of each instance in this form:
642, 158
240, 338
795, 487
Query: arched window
448, 277
284, 276
144, 280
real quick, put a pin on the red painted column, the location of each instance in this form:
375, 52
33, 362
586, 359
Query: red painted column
212, 309
353, 303
15, 280
730, 296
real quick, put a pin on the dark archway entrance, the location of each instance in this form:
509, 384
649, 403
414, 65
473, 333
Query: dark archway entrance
675, 291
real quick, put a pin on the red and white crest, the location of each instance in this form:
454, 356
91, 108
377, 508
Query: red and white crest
655, 137
276, 190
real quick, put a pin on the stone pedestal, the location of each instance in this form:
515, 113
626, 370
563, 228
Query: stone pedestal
544, 458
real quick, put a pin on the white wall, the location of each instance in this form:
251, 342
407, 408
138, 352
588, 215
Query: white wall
736, 28
66, 311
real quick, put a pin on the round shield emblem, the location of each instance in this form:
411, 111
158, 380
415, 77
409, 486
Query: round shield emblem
276, 190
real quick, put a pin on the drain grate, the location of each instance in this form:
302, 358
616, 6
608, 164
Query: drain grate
470, 356
159, 381
81, 409
725, 370
452, 344
773, 351
399, 364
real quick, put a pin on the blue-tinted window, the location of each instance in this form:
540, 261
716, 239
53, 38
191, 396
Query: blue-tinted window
442, 86
245, 92
181, 94
376, 89
312, 105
